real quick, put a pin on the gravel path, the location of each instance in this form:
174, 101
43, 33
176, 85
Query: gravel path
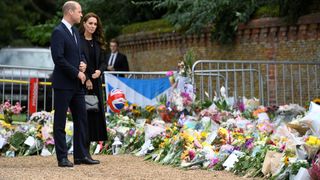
111, 167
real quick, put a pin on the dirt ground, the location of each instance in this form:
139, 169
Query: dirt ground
111, 167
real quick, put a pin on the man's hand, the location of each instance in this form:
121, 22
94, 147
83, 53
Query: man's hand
82, 66
96, 74
110, 68
82, 77
89, 84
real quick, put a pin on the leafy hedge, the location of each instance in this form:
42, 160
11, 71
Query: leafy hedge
159, 25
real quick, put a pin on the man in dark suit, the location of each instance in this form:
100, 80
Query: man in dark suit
67, 80
116, 61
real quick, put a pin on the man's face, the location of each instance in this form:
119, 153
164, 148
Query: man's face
76, 14
113, 47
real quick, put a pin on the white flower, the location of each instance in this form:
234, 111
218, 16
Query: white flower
126, 118
223, 92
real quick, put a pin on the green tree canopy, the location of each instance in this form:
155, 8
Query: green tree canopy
30, 22
223, 16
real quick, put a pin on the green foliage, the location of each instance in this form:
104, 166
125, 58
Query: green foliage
250, 165
25, 21
17, 139
159, 25
222, 105
297, 165
116, 14
193, 16
224, 16
14, 14
41, 33
267, 11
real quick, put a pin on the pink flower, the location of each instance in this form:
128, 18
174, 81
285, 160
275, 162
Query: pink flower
197, 144
213, 162
49, 141
169, 73
192, 154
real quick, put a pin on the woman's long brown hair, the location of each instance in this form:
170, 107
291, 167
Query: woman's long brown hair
98, 34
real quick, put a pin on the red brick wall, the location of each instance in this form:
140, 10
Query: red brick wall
260, 39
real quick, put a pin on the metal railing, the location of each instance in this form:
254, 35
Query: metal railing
274, 82
138, 75
15, 86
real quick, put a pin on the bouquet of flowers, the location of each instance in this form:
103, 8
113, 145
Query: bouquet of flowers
42, 117
8, 110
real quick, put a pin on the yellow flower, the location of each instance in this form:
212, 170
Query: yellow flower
162, 145
6, 125
185, 154
223, 132
174, 128
166, 141
240, 138
198, 136
175, 138
317, 100
205, 144
204, 134
150, 108
188, 138
313, 141
286, 160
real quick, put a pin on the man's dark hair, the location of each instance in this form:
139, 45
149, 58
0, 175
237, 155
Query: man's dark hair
114, 41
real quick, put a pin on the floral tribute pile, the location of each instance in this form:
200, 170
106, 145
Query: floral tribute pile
235, 134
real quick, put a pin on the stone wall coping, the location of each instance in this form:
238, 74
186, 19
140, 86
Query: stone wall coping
259, 24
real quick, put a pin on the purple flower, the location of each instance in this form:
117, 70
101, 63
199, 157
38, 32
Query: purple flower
249, 143
131, 132
240, 106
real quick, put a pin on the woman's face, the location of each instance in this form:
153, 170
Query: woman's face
90, 25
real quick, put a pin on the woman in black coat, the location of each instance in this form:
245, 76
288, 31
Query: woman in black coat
93, 49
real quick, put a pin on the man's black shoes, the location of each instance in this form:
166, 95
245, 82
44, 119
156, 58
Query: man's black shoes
86, 160
65, 163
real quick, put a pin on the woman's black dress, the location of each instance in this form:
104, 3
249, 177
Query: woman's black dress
94, 56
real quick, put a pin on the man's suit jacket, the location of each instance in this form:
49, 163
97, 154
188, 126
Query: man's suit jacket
99, 53
121, 62
66, 56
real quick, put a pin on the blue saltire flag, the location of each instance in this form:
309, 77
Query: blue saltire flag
142, 92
